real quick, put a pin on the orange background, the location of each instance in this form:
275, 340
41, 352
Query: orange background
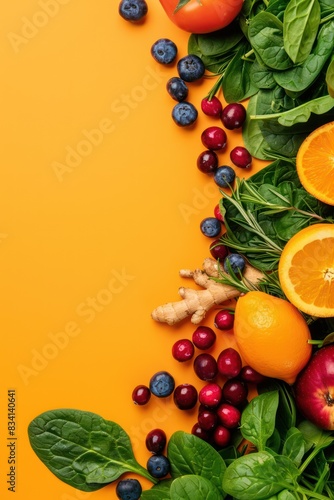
100, 206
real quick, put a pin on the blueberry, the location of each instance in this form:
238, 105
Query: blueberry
224, 176
164, 51
162, 384
190, 68
177, 89
133, 10
184, 113
210, 227
158, 466
236, 261
128, 489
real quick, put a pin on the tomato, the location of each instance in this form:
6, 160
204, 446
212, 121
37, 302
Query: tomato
202, 16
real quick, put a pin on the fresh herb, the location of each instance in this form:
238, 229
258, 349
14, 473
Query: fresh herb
291, 460
279, 55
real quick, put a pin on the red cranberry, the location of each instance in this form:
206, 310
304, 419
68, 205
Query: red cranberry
235, 392
214, 138
221, 436
248, 374
203, 337
141, 395
185, 396
205, 366
207, 162
199, 432
212, 107
218, 250
224, 320
210, 395
207, 419
229, 363
241, 157
183, 350
228, 415
156, 441
217, 213
233, 116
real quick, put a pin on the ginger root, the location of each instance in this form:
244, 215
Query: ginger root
196, 303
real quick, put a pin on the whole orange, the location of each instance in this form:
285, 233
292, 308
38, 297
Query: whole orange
272, 335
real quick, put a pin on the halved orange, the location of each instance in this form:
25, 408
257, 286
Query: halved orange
306, 270
315, 163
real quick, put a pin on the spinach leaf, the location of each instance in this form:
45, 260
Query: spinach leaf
237, 85
294, 445
189, 454
299, 78
278, 8
300, 27
192, 487
252, 135
261, 76
330, 78
258, 419
160, 491
266, 37
82, 449
326, 7
256, 476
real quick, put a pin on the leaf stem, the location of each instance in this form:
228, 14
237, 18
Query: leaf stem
311, 494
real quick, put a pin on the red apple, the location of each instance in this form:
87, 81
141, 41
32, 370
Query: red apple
314, 389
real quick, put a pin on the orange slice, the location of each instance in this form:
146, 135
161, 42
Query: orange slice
306, 270
315, 163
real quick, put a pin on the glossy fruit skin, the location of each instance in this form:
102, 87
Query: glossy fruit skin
164, 51
184, 114
210, 395
185, 396
233, 116
156, 441
133, 10
241, 157
202, 17
235, 392
248, 374
314, 389
214, 138
207, 162
205, 366
198, 431
228, 415
128, 489
141, 395
158, 466
224, 320
190, 68
177, 89
212, 107
218, 250
210, 227
183, 350
229, 363
236, 261
162, 384
217, 213
221, 436
203, 337
207, 419
224, 176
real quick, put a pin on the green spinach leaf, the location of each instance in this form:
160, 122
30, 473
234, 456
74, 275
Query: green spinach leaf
266, 37
193, 487
189, 454
294, 445
300, 28
258, 419
252, 135
160, 491
82, 449
237, 85
256, 476
330, 78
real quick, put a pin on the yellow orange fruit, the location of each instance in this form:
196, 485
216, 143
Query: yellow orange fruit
306, 270
272, 336
315, 163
